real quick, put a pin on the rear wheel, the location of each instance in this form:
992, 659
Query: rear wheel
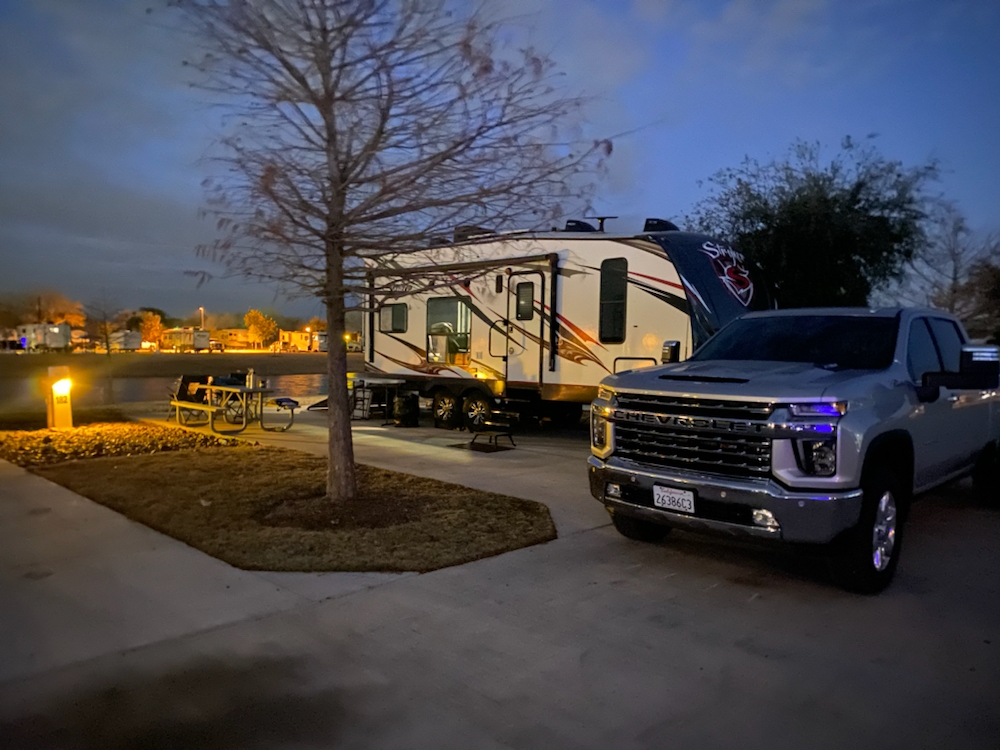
864, 559
640, 531
476, 410
446, 410
986, 477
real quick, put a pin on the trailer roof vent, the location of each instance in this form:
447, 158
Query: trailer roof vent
660, 225
576, 225
468, 232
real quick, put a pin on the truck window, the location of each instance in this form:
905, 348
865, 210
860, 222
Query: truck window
614, 291
949, 342
921, 354
525, 293
449, 328
393, 318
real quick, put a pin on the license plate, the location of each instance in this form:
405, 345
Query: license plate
670, 499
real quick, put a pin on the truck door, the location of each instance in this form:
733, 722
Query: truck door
968, 410
936, 427
525, 328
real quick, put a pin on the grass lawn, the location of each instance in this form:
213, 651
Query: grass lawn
262, 508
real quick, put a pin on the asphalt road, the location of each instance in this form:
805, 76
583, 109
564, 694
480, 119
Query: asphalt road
589, 641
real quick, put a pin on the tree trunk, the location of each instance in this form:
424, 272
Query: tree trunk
341, 484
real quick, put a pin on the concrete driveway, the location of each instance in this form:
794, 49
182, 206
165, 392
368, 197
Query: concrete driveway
588, 641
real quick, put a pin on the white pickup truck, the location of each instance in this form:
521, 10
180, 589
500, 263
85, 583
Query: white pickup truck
807, 426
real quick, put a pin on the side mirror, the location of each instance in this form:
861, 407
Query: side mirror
978, 370
671, 352
928, 394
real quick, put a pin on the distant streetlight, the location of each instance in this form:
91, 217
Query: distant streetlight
202, 311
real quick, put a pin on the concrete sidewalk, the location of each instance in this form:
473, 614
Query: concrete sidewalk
78, 580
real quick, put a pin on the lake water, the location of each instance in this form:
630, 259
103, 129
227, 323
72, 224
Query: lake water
28, 395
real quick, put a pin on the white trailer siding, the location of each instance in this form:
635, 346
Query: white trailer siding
655, 309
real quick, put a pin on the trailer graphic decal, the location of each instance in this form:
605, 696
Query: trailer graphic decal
730, 267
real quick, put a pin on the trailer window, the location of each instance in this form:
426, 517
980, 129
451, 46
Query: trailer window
614, 290
525, 293
449, 329
392, 318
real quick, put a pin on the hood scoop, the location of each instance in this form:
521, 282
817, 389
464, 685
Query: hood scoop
703, 379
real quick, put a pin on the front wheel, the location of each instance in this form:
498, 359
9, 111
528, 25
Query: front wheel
640, 531
864, 559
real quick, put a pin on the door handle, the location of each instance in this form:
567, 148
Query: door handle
952, 398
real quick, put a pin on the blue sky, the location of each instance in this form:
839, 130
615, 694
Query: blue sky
101, 141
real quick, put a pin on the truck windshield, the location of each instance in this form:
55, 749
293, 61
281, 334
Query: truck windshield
843, 342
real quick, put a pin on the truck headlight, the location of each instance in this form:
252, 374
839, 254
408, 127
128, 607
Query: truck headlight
819, 457
824, 409
598, 430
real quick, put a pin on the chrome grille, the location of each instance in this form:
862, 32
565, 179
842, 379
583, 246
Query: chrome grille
696, 407
713, 452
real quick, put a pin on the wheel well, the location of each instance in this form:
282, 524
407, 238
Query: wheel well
478, 391
893, 449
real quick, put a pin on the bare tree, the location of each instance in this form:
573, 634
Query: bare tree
362, 130
941, 275
103, 318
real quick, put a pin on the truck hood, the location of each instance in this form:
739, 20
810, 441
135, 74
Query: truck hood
772, 381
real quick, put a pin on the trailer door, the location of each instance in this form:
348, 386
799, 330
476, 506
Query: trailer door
525, 328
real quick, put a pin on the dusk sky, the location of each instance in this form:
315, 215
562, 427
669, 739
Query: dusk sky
101, 140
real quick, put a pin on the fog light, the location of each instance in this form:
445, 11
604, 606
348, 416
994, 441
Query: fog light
764, 518
820, 457
613, 490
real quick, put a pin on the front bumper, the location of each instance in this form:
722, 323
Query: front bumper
726, 503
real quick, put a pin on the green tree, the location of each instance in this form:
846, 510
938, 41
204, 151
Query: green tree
263, 330
822, 234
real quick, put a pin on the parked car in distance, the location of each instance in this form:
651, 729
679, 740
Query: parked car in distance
806, 426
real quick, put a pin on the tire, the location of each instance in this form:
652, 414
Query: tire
476, 410
446, 410
864, 558
986, 477
640, 531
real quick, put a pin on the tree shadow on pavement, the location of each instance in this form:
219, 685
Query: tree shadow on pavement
212, 705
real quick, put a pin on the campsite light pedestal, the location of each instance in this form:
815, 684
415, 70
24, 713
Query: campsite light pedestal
57, 399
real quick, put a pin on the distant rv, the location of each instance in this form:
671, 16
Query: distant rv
185, 339
531, 322
45, 336
128, 341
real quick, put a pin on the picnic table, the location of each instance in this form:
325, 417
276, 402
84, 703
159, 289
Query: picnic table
237, 405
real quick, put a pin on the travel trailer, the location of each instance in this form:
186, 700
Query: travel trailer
531, 323
45, 336
293, 341
185, 339
125, 341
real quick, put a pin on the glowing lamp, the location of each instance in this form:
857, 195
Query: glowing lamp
60, 406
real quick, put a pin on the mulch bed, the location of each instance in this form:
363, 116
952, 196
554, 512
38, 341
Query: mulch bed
43, 447
261, 508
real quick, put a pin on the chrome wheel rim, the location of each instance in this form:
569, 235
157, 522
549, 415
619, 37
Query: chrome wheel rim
477, 412
445, 407
884, 531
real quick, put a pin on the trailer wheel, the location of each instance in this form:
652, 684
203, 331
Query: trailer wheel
476, 411
446, 410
